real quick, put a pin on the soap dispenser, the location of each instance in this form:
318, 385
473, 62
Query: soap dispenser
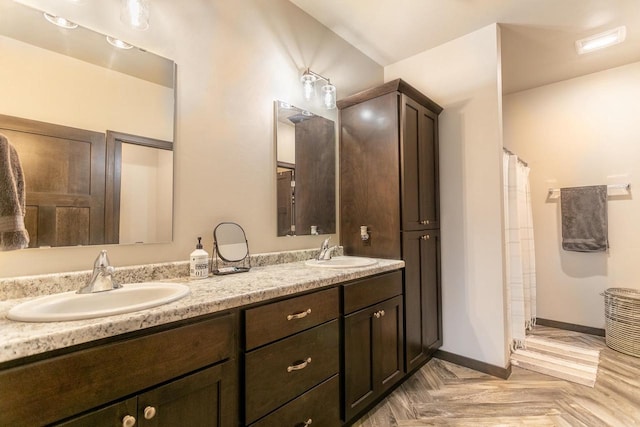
199, 265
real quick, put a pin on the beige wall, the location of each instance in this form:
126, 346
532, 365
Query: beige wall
463, 77
583, 131
234, 59
46, 86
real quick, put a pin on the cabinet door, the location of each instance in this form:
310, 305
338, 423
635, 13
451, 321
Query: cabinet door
110, 416
203, 399
419, 160
422, 295
373, 353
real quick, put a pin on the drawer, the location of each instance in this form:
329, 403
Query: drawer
277, 320
75, 382
279, 372
366, 292
318, 407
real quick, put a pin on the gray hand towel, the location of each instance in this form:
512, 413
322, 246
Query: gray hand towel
584, 218
13, 234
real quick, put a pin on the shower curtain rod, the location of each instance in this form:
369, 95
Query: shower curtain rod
514, 154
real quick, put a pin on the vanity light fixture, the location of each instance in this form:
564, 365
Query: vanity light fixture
118, 43
309, 79
135, 13
601, 40
60, 21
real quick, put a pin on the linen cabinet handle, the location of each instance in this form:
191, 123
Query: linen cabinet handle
299, 366
128, 421
299, 315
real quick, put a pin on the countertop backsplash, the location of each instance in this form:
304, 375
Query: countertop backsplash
33, 286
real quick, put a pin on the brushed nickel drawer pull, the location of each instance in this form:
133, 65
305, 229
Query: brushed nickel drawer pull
299, 315
299, 366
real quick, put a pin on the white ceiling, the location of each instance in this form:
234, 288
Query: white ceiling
538, 36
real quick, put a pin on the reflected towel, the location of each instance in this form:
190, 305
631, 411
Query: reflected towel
13, 234
584, 218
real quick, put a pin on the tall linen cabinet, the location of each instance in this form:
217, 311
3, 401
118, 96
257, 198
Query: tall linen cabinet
389, 183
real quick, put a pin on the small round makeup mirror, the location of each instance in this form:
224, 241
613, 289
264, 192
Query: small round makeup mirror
230, 244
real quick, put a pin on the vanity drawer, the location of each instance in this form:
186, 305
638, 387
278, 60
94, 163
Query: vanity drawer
279, 372
366, 292
320, 405
277, 320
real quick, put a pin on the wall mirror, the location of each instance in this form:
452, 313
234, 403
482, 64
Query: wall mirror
231, 245
70, 91
305, 169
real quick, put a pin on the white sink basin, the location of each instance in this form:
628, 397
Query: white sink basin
73, 306
341, 262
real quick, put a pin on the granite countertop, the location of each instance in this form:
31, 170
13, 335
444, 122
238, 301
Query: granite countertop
210, 295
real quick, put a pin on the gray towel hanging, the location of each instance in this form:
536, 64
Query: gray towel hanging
584, 218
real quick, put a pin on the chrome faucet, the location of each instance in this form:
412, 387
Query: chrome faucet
102, 277
325, 250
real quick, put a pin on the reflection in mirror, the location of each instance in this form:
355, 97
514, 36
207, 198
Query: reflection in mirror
305, 155
88, 87
230, 244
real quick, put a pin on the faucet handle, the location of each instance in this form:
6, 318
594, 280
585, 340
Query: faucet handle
102, 260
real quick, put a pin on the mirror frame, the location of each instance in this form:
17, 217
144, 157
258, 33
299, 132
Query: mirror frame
246, 260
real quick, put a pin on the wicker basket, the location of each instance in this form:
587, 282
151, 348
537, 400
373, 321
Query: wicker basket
622, 314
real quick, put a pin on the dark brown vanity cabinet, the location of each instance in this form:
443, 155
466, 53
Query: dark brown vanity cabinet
292, 361
389, 183
373, 340
184, 375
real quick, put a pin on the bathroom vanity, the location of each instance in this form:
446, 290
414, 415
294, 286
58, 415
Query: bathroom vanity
261, 348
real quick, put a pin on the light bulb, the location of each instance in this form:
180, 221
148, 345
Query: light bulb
60, 21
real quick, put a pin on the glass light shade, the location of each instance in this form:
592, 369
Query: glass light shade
329, 96
60, 21
308, 85
135, 13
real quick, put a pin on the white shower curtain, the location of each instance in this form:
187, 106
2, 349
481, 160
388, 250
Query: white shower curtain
519, 248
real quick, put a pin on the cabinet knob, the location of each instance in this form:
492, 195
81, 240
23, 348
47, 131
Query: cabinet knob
149, 412
128, 421
299, 315
425, 237
308, 422
381, 312
424, 222
299, 366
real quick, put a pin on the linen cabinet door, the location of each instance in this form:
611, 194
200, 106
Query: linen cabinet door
422, 295
419, 162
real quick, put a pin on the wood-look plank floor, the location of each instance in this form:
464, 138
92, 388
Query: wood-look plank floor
445, 394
